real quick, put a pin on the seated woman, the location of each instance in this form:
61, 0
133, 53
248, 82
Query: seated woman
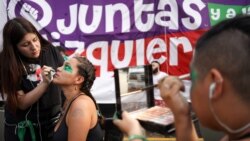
79, 121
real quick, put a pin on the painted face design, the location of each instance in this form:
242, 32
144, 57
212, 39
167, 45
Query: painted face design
193, 75
68, 68
65, 57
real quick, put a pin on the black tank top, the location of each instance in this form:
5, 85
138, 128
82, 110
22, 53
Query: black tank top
94, 134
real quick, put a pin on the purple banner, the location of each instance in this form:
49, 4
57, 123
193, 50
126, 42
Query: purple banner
124, 20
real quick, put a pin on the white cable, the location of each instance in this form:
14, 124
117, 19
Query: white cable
230, 130
38, 121
26, 115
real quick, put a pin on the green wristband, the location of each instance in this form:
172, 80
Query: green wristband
132, 137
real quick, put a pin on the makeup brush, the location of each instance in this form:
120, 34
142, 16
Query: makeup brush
152, 86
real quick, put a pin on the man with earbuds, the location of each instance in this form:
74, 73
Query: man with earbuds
220, 91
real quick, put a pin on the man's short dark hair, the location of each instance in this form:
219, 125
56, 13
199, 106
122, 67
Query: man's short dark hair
226, 47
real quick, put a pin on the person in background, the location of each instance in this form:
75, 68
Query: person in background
157, 75
26, 63
220, 91
79, 121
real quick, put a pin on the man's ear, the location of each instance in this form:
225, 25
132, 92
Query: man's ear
217, 79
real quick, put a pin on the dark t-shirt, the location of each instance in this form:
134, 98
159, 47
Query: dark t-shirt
50, 103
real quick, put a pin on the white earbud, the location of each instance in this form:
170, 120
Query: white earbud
222, 124
211, 89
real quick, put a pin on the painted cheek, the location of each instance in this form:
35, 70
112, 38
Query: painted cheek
193, 76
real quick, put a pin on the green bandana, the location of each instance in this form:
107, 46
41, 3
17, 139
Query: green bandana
22, 130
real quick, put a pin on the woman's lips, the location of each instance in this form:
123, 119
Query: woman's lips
34, 53
56, 74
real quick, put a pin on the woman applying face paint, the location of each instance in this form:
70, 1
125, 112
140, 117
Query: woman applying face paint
79, 121
33, 104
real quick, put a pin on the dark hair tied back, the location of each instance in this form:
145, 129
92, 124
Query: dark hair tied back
87, 70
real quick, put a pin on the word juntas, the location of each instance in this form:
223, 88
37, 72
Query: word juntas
145, 17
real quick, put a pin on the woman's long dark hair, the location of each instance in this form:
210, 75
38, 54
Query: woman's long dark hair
11, 70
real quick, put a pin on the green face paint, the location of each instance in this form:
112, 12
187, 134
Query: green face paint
68, 68
65, 58
193, 75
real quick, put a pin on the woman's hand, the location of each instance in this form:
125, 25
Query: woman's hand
47, 74
128, 125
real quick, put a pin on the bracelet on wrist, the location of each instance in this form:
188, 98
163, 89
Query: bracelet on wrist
132, 137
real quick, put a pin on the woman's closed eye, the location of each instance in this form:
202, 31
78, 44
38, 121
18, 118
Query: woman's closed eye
68, 68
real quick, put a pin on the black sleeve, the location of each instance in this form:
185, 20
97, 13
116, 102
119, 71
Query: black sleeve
51, 57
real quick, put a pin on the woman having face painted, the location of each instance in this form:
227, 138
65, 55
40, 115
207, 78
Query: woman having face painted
79, 121
33, 104
220, 92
